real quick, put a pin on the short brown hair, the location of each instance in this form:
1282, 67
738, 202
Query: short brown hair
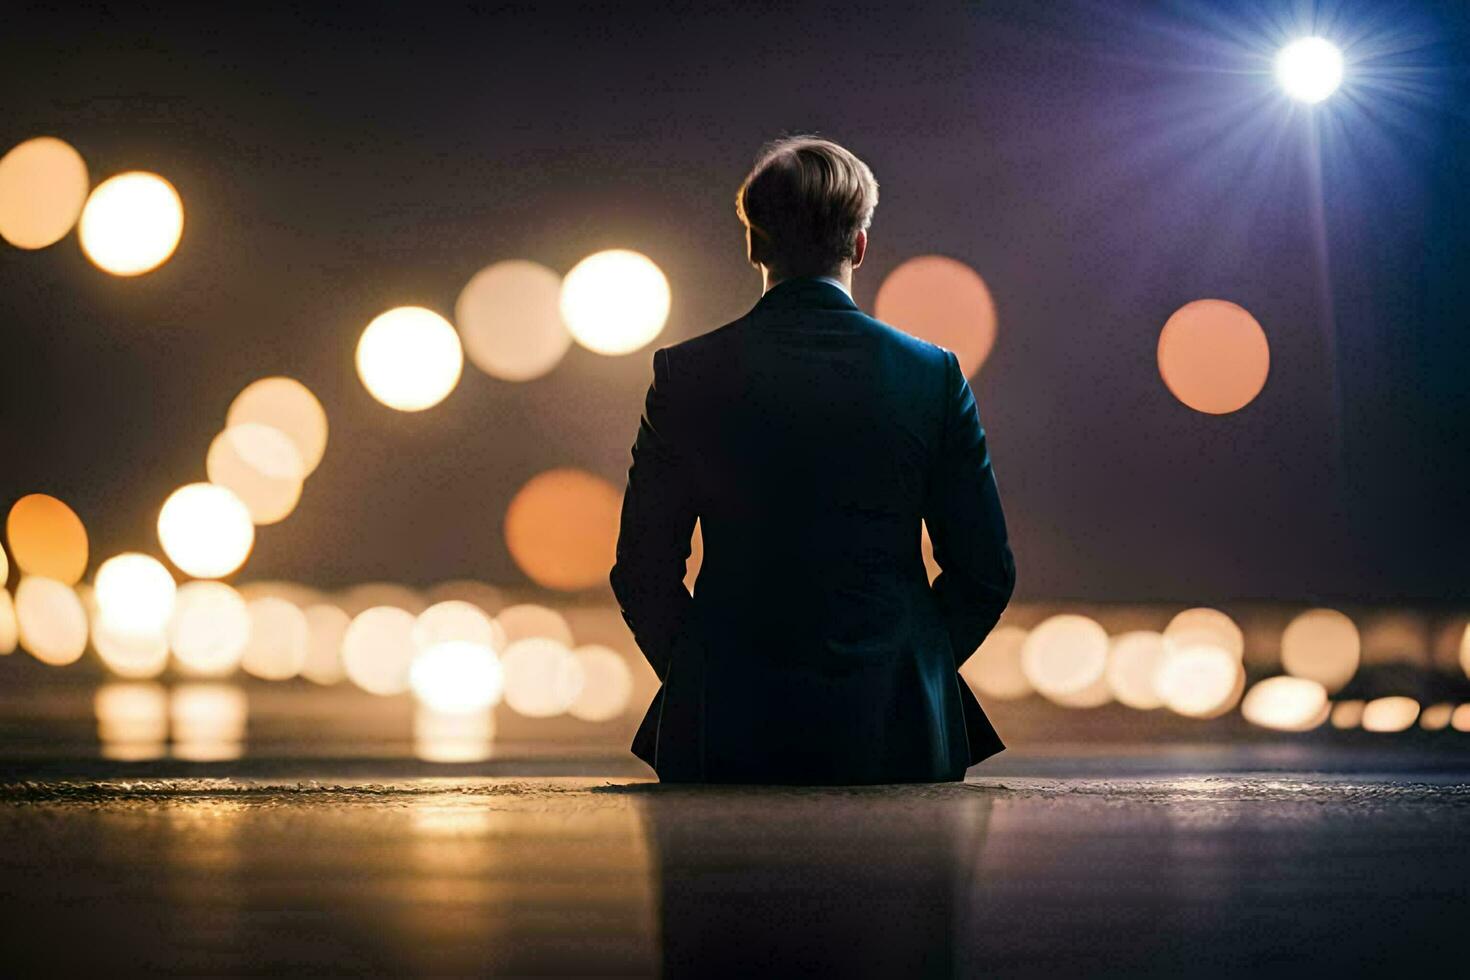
806, 199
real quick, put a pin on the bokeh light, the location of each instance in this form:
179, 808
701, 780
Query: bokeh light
615, 302
562, 529
261, 466
1065, 655
210, 628
135, 594
1133, 664
1286, 704
943, 301
43, 185
460, 737
289, 407
1390, 714
1309, 69
279, 637
132, 720
378, 650
360, 598
132, 223
409, 358
1200, 681
526, 620
9, 629
1436, 717
205, 530
455, 620
1347, 714
994, 670
607, 684
1203, 625
1321, 645
47, 539
1460, 720
327, 627
457, 677
1213, 356
130, 654
482, 595
509, 318
208, 721
50, 620
542, 677
1465, 651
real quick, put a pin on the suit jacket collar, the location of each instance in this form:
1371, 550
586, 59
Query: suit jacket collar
805, 292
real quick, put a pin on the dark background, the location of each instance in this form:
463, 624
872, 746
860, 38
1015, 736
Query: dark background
1100, 164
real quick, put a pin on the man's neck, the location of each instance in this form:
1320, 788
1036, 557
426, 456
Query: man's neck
842, 276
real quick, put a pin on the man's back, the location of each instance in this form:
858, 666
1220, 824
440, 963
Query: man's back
810, 440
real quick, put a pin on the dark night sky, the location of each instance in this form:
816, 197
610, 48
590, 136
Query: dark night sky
1099, 164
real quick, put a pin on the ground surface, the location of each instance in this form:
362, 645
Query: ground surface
1183, 862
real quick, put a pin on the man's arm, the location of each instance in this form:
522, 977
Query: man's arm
657, 524
977, 571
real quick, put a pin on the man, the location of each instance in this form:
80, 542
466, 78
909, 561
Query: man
810, 440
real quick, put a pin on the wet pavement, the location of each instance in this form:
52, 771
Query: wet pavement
1156, 863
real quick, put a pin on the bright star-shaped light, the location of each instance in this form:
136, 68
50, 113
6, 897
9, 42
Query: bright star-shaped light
1309, 69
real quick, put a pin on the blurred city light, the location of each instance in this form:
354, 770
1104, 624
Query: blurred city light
994, 670
1390, 714
542, 677
1348, 714
135, 594
409, 358
205, 530
128, 653
261, 466
454, 737
1322, 645
9, 629
1202, 625
615, 302
1065, 655
526, 620
1200, 681
944, 301
279, 638
456, 620
509, 318
378, 650
562, 529
207, 721
327, 627
1309, 69
43, 185
1288, 704
47, 539
457, 677
289, 407
1133, 666
607, 684
1213, 356
132, 720
210, 628
51, 622
132, 223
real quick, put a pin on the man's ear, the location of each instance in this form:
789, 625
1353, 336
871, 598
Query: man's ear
753, 250
859, 248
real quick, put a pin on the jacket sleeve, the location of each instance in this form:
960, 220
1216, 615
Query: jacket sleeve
654, 535
966, 526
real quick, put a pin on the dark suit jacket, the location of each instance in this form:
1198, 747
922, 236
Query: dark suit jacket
809, 440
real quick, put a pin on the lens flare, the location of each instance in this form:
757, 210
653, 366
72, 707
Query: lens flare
132, 223
409, 358
205, 530
1309, 69
615, 302
43, 184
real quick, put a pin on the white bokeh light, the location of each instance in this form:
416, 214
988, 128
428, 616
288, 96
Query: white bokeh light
1309, 69
457, 677
135, 594
205, 530
410, 358
614, 302
131, 223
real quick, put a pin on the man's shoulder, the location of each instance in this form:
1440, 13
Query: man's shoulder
715, 344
